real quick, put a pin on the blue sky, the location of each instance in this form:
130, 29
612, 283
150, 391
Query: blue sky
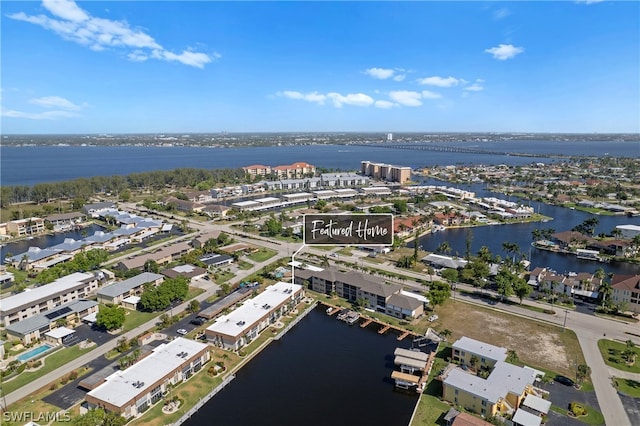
186, 67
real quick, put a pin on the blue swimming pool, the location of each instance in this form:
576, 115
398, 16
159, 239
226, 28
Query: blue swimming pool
34, 353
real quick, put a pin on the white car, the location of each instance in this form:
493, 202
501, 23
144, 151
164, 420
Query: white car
181, 331
433, 318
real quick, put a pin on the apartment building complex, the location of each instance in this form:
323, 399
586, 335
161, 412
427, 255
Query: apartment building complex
382, 171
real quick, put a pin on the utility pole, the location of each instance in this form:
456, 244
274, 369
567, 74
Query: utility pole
564, 325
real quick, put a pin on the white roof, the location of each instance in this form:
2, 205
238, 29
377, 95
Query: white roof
525, 418
504, 379
119, 387
267, 200
414, 295
629, 227
59, 333
91, 317
481, 348
243, 318
63, 284
245, 203
184, 268
297, 264
297, 194
537, 403
131, 299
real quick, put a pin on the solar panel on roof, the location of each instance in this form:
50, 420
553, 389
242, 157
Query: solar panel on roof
58, 312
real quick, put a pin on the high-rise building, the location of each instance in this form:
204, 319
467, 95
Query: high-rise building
386, 172
389, 137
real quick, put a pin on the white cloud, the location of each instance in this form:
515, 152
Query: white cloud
55, 102
504, 51
589, 1
406, 97
385, 104
439, 81
399, 77
501, 13
426, 94
380, 73
357, 99
475, 87
309, 97
47, 115
74, 24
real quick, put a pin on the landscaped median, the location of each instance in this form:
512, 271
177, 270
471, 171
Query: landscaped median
619, 355
627, 387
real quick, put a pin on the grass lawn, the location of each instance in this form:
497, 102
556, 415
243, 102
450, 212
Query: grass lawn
537, 344
593, 417
244, 265
628, 387
134, 319
193, 292
430, 411
221, 277
261, 255
51, 362
611, 352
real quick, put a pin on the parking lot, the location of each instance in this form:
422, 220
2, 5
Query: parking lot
561, 395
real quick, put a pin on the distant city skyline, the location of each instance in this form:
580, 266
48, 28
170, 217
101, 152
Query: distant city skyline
172, 67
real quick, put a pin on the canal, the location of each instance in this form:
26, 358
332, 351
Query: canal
322, 372
494, 236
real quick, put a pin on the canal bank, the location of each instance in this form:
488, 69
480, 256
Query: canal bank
324, 372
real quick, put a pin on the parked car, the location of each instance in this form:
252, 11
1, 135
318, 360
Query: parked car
564, 380
181, 331
198, 321
433, 318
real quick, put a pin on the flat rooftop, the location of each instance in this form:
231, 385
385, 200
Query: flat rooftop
120, 386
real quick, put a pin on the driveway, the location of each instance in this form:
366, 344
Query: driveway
85, 331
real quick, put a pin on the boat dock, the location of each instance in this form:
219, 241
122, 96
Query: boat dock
366, 322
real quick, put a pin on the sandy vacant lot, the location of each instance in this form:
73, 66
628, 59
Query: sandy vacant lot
536, 343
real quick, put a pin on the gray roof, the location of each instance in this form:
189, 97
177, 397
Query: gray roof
482, 349
404, 302
215, 259
367, 283
69, 244
504, 379
45, 292
121, 287
444, 261
41, 320
100, 237
64, 216
98, 206
34, 254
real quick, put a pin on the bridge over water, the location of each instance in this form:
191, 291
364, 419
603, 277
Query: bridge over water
449, 148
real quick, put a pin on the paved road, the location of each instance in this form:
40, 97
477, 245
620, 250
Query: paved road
588, 328
45, 380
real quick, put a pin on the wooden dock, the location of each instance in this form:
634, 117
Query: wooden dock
333, 310
366, 323
384, 329
403, 335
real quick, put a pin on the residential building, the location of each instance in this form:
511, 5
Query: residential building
216, 260
258, 170
501, 392
48, 296
294, 171
201, 197
132, 391
384, 297
190, 272
241, 326
201, 240
629, 231
22, 227
626, 291
382, 171
34, 327
162, 256
62, 221
118, 292
95, 209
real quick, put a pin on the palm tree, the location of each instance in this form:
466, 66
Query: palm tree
582, 372
444, 247
445, 334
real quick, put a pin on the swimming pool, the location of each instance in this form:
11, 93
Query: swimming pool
33, 353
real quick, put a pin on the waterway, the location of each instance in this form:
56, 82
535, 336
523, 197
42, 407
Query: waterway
36, 164
494, 236
322, 372
48, 240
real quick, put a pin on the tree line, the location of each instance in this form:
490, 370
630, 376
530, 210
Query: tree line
84, 188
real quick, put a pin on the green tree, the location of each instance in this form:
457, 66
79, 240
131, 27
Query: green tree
194, 306
151, 266
444, 247
504, 281
521, 288
451, 275
445, 334
439, 292
272, 226
582, 373
110, 317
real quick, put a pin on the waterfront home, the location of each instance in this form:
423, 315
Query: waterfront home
183, 205
6, 277
132, 391
37, 258
439, 261
238, 328
95, 209
62, 220
628, 231
386, 172
376, 293
503, 389
23, 227
343, 179
35, 327
626, 291
122, 292
32, 302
